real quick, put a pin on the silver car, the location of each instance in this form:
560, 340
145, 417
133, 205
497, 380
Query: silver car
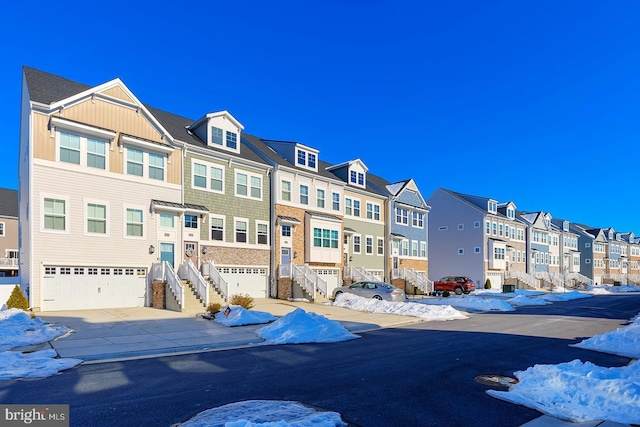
375, 290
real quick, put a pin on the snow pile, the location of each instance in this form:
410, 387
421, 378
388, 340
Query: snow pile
476, 303
623, 341
423, 311
271, 413
17, 329
578, 392
565, 296
522, 300
240, 316
301, 327
39, 364
622, 288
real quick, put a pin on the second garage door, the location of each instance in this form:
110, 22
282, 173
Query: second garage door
246, 280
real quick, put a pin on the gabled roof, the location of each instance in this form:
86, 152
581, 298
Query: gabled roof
478, 202
46, 88
8, 203
347, 164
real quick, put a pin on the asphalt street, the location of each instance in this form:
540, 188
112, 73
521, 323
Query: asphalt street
416, 375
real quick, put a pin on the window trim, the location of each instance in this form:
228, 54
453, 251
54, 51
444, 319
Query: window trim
353, 244
265, 223
107, 227
207, 176
249, 176
224, 227
125, 208
236, 220
67, 213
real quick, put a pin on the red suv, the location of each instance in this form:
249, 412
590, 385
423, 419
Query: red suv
457, 284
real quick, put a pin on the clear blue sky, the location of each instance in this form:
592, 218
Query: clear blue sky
536, 102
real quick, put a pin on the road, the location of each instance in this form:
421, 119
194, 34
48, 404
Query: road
418, 375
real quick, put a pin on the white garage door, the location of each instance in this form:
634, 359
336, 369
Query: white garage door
246, 280
331, 277
78, 288
496, 280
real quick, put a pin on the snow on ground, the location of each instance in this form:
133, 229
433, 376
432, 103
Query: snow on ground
415, 309
578, 392
623, 341
564, 296
301, 327
523, 299
272, 413
240, 316
18, 329
470, 302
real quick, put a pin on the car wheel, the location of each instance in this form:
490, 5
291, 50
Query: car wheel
378, 297
336, 294
458, 291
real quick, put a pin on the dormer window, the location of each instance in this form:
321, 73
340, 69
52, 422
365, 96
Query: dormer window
610, 234
216, 135
232, 140
306, 158
565, 226
492, 206
511, 213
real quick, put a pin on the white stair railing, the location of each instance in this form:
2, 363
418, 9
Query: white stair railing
188, 271
358, 274
579, 278
416, 278
529, 280
309, 279
164, 271
209, 270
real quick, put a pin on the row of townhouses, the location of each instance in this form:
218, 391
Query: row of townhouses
120, 202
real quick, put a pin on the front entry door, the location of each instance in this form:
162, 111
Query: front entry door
285, 256
167, 253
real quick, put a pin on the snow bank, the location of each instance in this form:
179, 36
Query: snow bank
414, 309
17, 329
271, 413
39, 364
240, 316
578, 392
301, 327
522, 300
623, 341
471, 303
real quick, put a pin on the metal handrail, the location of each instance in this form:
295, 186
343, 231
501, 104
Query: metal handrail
521, 275
309, 279
164, 271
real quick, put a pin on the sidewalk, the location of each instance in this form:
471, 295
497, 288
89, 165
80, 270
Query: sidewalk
108, 334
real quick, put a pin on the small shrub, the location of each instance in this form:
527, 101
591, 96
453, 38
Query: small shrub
17, 299
243, 301
487, 284
446, 294
214, 308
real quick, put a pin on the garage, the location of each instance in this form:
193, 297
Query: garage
496, 280
331, 277
246, 280
80, 288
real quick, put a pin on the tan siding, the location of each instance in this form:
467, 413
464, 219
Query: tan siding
174, 170
117, 92
44, 147
113, 117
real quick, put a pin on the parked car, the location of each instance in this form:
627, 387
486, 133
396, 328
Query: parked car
457, 284
375, 290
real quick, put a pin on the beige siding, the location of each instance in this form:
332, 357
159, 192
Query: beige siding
117, 92
44, 147
77, 248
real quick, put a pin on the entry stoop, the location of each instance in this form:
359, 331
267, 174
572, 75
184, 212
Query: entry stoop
192, 303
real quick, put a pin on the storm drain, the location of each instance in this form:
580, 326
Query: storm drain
496, 380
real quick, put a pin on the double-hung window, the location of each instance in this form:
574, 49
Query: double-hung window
248, 185
335, 197
135, 159
96, 153
55, 214
69, 148
348, 206
217, 229
262, 231
241, 231
216, 179
304, 194
320, 198
356, 208
368, 245
156, 166
232, 140
135, 224
199, 175
241, 184
216, 135
286, 191
96, 218
402, 216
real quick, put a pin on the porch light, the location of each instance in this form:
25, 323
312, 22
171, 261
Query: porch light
152, 249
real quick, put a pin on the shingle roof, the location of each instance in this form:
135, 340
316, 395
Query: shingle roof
8, 203
47, 88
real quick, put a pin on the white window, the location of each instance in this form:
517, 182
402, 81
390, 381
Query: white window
217, 227
156, 166
262, 233
69, 148
134, 222
320, 198
216, 135
207, 176
285, 190
460, 251
1, 228
460, 227
476, 224
306, 159
414, 248
488, 227
191, 221
286, 231
335, 201
405, 248
241, 230
304, 194
55, 214
423, 249
443, 228
96, 218
82, 150
356, 244
167, 219
135, 162
327, 238
417, 219
356, 207
368, 245
402, 216
380, 246
476, 250
232, 140
248, 185
348, 206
